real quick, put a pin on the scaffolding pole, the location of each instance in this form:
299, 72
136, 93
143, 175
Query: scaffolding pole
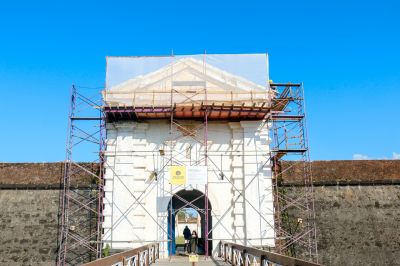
206, 159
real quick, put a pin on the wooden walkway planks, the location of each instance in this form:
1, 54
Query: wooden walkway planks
184, 260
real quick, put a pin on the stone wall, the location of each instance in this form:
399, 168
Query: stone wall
352, 172
29, 196
357, 211
28, 227
47, 175
358, 225
41, 175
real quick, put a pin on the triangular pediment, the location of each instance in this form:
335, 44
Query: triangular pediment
188, 72
188, 77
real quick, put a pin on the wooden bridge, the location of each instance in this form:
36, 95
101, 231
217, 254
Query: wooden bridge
228, 254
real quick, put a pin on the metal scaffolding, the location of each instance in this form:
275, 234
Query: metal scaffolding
81, 194
81, 240
294, 212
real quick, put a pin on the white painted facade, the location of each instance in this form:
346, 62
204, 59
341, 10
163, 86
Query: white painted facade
136, 206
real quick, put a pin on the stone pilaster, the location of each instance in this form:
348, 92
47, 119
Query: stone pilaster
238, 212
252, 161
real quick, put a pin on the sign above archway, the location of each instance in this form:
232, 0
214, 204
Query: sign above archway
177, 175
188, 175
196, 175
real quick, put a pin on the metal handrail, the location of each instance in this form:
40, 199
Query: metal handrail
239, 255
141, 256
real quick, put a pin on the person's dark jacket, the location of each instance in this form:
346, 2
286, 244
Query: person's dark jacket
186, 233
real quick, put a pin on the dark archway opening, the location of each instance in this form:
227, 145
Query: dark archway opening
194, 199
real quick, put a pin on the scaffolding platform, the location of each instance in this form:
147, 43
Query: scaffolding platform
194, 112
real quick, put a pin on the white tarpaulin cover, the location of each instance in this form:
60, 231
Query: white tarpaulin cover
187, 79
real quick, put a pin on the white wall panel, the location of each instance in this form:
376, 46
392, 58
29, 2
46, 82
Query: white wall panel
244, 150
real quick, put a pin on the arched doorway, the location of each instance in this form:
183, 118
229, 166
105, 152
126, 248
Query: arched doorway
194, 199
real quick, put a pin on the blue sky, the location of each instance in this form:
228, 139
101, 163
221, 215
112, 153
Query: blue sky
346, 53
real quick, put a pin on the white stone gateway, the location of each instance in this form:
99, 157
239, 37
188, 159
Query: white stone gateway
140, 203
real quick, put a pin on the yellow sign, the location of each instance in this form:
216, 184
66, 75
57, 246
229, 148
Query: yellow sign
193, 258
177, 175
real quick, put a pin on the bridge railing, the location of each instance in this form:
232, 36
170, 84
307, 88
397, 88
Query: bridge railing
141, 256
239, 255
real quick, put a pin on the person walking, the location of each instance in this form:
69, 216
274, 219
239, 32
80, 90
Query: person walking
186, 235
193, 242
